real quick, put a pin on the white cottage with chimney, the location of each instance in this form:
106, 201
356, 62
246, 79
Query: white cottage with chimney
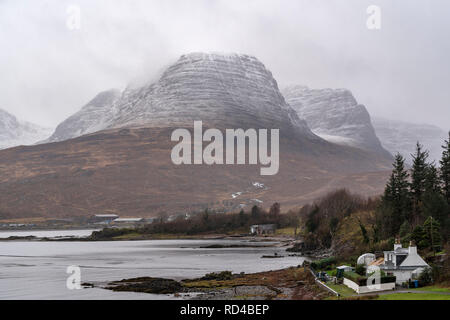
403, 263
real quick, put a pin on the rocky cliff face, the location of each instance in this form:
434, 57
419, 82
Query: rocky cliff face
14, 132
231, 91
398, 136
336, 116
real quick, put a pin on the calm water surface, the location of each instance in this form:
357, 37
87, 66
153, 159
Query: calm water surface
46, 233
37, 270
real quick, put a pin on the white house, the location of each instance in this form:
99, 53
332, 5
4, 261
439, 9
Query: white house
260, 229
345, 268
104, 218
403, 263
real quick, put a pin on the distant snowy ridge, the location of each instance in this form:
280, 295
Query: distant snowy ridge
400, 136
14, 132
94, 116
335, 115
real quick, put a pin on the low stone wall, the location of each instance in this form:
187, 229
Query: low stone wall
323, 284
351, 284
327, 287
365, 289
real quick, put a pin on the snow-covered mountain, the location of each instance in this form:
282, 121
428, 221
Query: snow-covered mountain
14, 132
224, 90
398, 136
232, 91
335, 115
126, 166
94, 116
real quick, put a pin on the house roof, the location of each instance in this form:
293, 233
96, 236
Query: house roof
128, 219
377, 262
106, 215
410, 259
399, 251
343, 267
413, 260
263, 225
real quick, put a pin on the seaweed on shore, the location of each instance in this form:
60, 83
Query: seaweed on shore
147, 285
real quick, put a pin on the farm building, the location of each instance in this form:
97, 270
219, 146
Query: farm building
103, 218
260, 229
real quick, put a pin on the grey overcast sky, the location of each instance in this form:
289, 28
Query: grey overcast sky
48, 71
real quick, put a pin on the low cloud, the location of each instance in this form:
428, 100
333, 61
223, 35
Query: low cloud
401, 71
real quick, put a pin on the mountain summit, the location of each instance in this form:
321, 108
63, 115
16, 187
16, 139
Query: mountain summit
336, 116
226, 91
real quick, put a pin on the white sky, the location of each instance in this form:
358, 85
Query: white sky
48, 72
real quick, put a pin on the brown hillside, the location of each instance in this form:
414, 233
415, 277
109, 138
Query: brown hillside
129, 172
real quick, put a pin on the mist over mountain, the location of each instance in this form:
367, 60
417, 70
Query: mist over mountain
227, 91
336, 116
400, 136
14, 132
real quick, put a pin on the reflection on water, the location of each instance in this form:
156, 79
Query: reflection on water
37, 270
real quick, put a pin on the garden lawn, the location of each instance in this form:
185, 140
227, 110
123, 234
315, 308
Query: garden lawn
414, 296
343, 290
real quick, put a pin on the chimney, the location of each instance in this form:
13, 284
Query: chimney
397, 244
412, 248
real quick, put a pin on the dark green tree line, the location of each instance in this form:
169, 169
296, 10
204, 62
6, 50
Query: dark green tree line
409, 200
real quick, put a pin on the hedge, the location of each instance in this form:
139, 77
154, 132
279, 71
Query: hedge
324, 263
362, 281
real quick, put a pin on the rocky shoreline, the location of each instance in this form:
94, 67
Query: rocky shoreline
294, 283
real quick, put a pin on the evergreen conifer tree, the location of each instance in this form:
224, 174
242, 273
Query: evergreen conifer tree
433, 202
431, 228
396, 201
445, 181
420, 170
445, 169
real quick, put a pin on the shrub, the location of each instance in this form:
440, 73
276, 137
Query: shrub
360, 269
388, 279
362, 281
353, 276
323, 263
220, 276
425, 277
